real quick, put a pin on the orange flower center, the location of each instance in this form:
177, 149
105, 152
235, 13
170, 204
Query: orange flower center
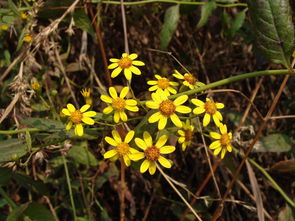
167, 108
125, 63
163, 83
122, 149
152, 153
118, 104
76, 117
210, 107
188, 135
190, 79
35, 86
225, 140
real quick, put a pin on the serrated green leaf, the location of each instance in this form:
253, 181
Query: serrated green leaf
272, 22
237, 23
82, 155
206, 12
170, 24
274, 143
11, 148
43, 124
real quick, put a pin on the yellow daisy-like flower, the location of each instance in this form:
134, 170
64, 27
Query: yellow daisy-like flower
152, 153
119, 104
189, 80
210, 109
28, 38
4, 27
86, 94
78, 116
122, 149
186, 134
167, 109
125, 63
36, 85
222, 142
24, 16
163, 84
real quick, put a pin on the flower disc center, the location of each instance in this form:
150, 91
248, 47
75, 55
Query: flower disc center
125, 63
190, 79
122, 148
225, 140
119, 104
163, 83
210, 107
152, 153
167, 108
76, 117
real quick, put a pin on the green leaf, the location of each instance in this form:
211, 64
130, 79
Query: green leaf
274, 143
170, 24
13, 7
237, 23
82, 155
39, 107
38, 212
206, 12
82, 21
272, 22
12, 148
17, 213
5, 175
43, 124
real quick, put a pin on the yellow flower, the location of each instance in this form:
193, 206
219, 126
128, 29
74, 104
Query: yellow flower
27, 38
189, 80
23, 15
186, 134
122, 149
86, 94
125, 63
167, 109
163, 84
78, 116
4, 27
152, 153
119, 104
210, 109
223, 141
36, 85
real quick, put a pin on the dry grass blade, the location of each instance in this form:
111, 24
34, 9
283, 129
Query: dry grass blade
10, 107
256, 192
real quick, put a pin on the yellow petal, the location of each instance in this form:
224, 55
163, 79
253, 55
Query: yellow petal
147, 139
71, 108
113, 92
116, 117
69, 125
133, 56
138, 63
155, 117
89, 114
156, 97
167, 149
206, 119
126, 160
106, 99
223, 153
135, 70
219, 105
162, 122
112, 66
111, 141
153, 88
144, 166
152, 168
181, 139
198, 102
180, 100
66, 112
88, 120
172, 90
114, 60
116, 136
131, 102
110, 153
128, 74
215, 135
164, 162
140, 143
216, 120
123, 116
129, 136
152, 104
132, 108
217, 151
199, 110
181, 133
229, 148
108, 110
124, 92
175, 119
79, 130
215, 145
223, 128
137, 156
124, 55
116, 72
183, 109
152, 82
161, 142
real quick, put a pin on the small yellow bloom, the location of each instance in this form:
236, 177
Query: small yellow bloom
189, 80
125, 63
186, 134
27, 38
167, 109
86, 94
122, 149
222, 142
210, 109
78, 116
119, 104
152, 153
36, 85
163, 84
24, 16
4, 27
293, 55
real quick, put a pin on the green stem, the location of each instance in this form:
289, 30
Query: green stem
19, 131
168, 1
6, 197
69, 187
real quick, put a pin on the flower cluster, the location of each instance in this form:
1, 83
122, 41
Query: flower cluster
165, 111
